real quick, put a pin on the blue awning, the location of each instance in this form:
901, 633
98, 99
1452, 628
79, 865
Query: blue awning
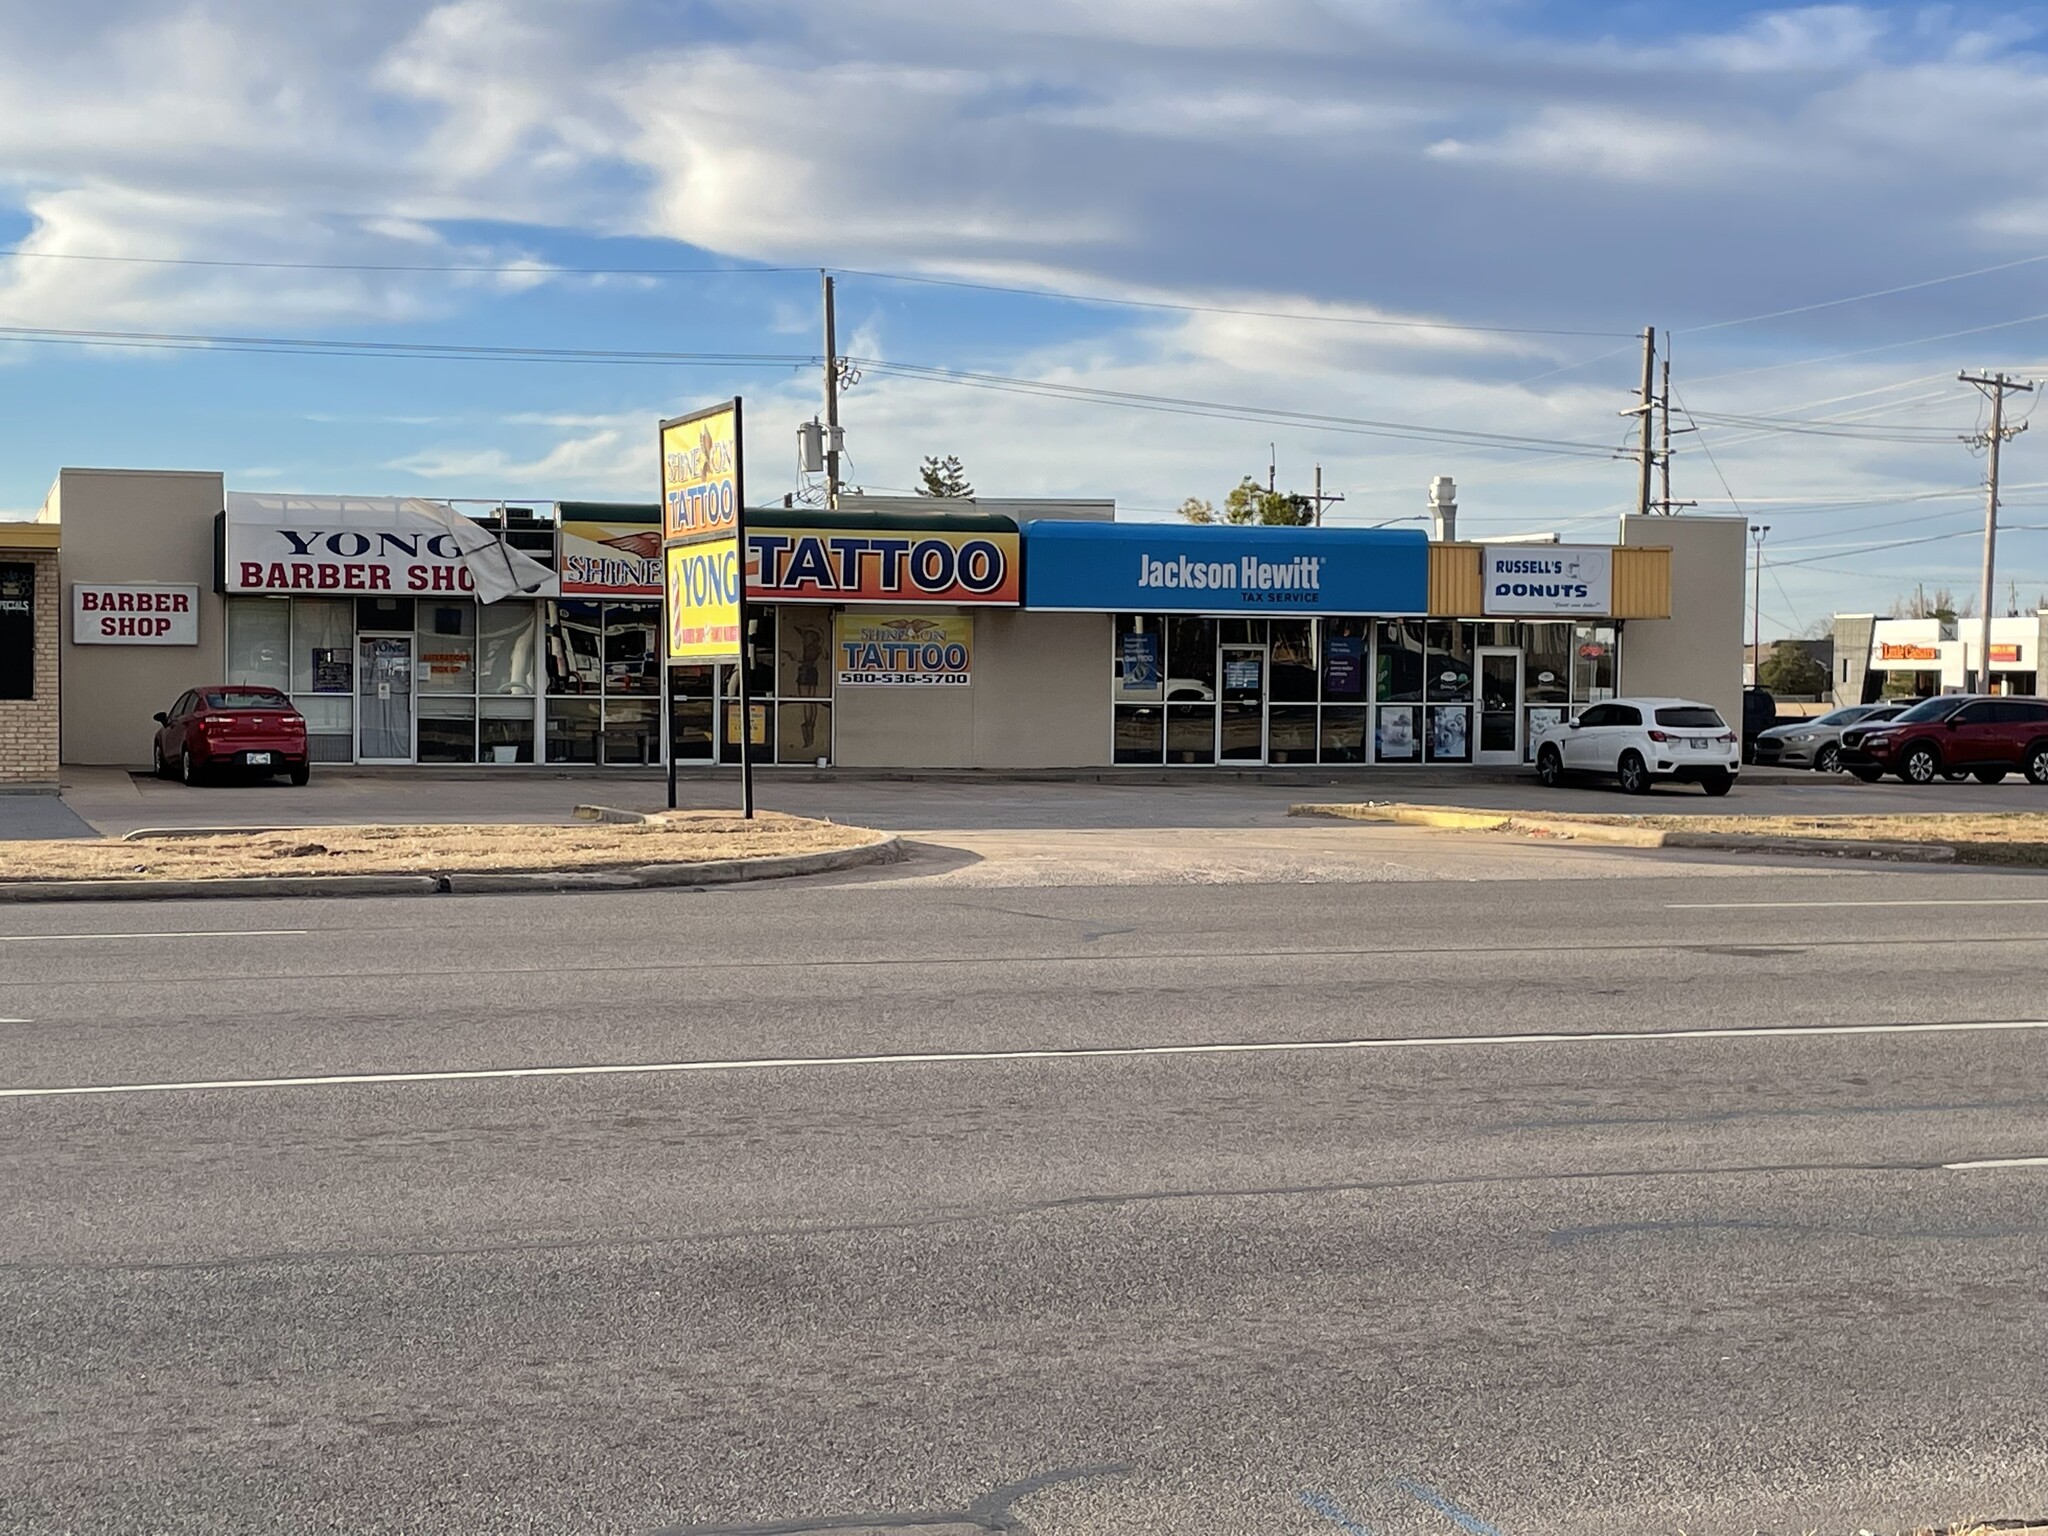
1090, 567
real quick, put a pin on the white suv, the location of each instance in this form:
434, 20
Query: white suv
1639, 741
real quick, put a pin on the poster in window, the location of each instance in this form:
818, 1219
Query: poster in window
1344, 675
1397, 740
1141, 663
1547, 718
17, 630
1450, 733
333, 670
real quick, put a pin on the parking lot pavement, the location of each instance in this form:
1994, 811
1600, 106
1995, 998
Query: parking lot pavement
38, 817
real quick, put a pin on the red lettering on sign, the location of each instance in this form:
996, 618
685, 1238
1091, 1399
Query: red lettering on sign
354, 577
415, 578
380, 578
107, 625
181, 602
302, 576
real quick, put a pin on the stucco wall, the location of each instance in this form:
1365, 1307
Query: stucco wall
1697, 653
134, 525
1039, 699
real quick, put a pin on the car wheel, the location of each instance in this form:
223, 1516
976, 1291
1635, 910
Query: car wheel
2037, 763
1920, 766
1550, 767
1989, 775
1868, 775
1829, 760
1633, 773
188, 769
302, 773
1718, 783
157, 766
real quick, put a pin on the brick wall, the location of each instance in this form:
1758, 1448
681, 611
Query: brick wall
28, 727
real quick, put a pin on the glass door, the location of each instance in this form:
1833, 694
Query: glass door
1241, 723
1500, 707
384, 699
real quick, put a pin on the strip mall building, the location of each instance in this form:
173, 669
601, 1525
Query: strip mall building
885, 634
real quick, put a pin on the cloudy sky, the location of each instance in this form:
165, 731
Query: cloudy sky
1378, 235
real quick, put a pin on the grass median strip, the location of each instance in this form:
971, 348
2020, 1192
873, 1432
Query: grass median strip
2010, 838
683, 837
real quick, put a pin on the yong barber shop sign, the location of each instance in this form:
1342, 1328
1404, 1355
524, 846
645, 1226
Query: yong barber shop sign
338, 545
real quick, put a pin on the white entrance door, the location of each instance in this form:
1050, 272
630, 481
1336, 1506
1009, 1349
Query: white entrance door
1499, 676
384, 699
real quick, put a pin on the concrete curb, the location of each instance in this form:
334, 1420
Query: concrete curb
883, 850
1632, 837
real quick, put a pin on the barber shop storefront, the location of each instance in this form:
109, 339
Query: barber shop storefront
408, 632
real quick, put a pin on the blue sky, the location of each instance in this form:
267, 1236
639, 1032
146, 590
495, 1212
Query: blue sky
1393, 168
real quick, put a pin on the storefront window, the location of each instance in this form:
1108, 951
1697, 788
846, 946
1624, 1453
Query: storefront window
447, 652
804, 657
323, 646
505, 729
1546, 663
1450, 733
447, 730
1398, 736
574, 726
1140, 733
761, 652
761, 730
385, 615
1190, 659
259, 641
1291, 733
1293, 671
1344, 653
1448, 675
330, 726
632, 731
575, 648
1399, 662
505, 652
803, 731
693, 707
632, 648
1139, 659
1344, 736
1592, 663
1191, 733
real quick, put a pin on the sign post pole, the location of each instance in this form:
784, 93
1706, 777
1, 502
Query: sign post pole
704, 581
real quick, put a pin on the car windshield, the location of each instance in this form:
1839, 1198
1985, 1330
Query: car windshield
1847, 716
246, 698
1691, 717
1931, 709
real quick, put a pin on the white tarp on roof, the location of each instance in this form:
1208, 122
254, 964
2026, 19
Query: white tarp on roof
369, 543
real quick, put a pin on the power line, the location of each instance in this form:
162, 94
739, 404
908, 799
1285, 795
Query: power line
1858, 298
331, 346
512, 269
1890, 346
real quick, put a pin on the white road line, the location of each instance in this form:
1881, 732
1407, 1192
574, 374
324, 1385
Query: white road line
1775, 906
2002, 1162
1052, 1053
183, 933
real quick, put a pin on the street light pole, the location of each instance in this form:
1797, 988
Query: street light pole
1758, 532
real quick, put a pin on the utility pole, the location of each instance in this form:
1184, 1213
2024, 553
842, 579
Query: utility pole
832, 438
1648, 455
1664, 448
1997, 387
1758, 532
1322, 500
1272, 468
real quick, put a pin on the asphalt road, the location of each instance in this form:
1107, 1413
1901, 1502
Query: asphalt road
1426, 1275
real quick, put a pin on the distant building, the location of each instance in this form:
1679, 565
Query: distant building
1917, 658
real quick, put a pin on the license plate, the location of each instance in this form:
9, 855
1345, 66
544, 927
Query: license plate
257, 759
1699, 742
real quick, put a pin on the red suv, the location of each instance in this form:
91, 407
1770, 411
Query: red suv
231, 726
1954, 735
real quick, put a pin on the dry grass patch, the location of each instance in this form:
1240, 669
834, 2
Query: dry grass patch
2004, 837
682, 837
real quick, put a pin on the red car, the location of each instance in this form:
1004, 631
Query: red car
231, 726
1950, 736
